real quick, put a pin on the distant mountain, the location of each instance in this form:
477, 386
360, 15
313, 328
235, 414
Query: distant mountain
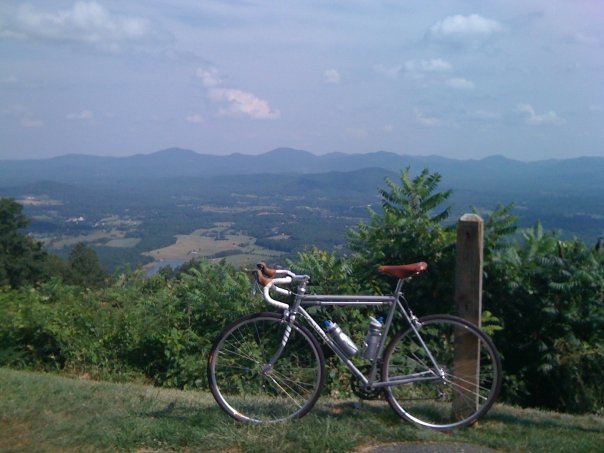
491, 173
176, 162
313, 199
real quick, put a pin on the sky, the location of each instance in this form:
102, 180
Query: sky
460, 79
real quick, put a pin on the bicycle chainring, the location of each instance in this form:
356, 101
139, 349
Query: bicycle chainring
361, 391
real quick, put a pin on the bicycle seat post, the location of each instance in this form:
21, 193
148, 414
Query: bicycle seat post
399, 287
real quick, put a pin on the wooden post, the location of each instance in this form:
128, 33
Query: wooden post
468, 299
468, 268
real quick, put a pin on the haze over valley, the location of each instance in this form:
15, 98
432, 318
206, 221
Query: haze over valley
174, 205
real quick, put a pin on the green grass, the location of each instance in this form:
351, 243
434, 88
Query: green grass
44, 412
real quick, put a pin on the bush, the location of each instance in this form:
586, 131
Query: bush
158, 330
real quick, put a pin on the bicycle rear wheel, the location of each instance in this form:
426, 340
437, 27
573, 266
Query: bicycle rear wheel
459, 390
247, 387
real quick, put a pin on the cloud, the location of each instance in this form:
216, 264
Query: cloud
242, 102
486, 115
586, 40
31, 123
390, 72
235, 102
85, 23
9, 80
419, 69
460, 84
332, 76
535, 119
460, 29
434, 65
209, 77
196, 118
429, 121
358, 133
84, 115
23, 116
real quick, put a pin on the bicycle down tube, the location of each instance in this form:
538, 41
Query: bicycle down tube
392, 301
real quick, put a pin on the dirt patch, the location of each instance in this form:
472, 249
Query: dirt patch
16, 434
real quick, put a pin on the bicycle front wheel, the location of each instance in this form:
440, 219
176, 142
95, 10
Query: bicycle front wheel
246, 383
449, 381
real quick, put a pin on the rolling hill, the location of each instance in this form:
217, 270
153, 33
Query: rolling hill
309, 199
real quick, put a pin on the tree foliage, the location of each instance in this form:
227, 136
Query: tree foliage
549, 293
411, 227
545, 294
84, 268
153, 329
21, 257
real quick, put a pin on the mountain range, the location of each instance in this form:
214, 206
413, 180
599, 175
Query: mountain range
148, 199
585, 174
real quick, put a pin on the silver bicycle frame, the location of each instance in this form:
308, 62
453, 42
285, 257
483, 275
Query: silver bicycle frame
392, 301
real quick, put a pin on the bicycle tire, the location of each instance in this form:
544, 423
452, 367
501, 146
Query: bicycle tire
454, 397
246, 388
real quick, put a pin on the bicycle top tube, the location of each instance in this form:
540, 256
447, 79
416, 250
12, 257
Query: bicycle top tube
269, 278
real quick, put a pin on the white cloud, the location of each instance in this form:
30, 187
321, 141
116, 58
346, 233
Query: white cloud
31, 123
242, 102
358, 133
534, 119
209, 77
86, 22
419, 69
196, 118
23, 116
586, 40
486, 115
332, 76
9, 80
390, 72
434, 65
460, 84
426, 120
235, 102
84, 115
463, 29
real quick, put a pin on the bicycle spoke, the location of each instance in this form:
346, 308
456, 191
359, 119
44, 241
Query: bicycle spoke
248, 388
284, 391
451, 399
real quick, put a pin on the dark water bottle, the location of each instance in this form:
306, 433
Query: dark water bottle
341, 339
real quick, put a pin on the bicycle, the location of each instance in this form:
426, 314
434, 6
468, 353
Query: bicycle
441, 372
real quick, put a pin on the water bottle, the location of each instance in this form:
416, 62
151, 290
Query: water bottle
372, 340
341, 339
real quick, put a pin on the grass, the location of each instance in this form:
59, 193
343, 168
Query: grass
44, 412
123, 243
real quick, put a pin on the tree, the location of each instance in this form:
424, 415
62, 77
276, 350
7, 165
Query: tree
549, 294
21, 257
83, 267
411, 228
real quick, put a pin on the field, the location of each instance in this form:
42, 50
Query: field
109, 231
48, 413
219, 242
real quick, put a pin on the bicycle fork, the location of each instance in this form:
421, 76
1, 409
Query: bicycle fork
267, 367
